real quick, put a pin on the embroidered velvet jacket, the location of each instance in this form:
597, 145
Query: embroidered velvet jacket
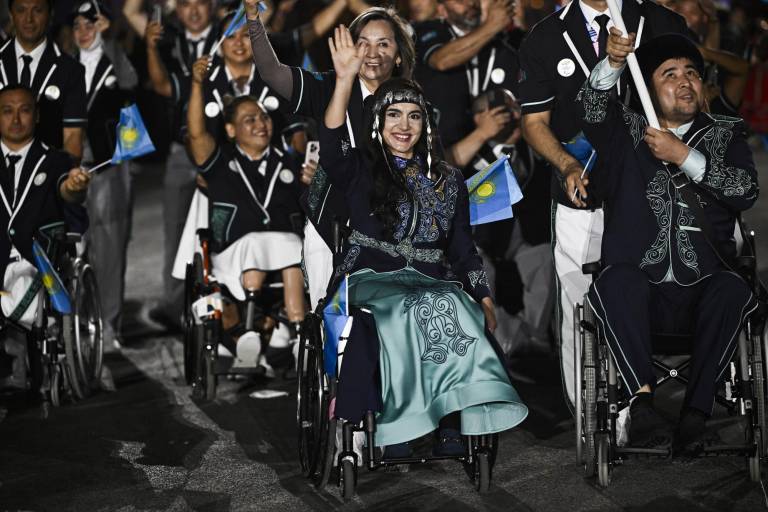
647, 223
433, 234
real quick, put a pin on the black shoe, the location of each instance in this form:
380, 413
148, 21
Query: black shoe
449, 444
691, 436
647, 428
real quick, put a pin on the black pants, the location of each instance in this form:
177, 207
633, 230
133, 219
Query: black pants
630, 308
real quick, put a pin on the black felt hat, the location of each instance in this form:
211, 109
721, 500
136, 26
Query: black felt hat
88, 9
651, 54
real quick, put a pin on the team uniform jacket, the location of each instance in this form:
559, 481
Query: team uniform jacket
557, 56
647, 223
244, 200
217, 89
451, 92
59, 82
38, 212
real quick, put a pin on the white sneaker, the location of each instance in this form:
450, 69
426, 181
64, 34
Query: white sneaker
248, 350
269, 372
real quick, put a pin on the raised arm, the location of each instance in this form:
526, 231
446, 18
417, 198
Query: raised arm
201, 143
497, 15
324, 21
158, 75
136, 17
277, 75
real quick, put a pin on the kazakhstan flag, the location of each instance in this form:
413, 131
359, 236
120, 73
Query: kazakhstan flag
238, 20
51, 281
335, 316
580, 148
132, 137
492, 192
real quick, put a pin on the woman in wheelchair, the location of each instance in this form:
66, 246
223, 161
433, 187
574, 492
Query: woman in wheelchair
410, 241
254, 191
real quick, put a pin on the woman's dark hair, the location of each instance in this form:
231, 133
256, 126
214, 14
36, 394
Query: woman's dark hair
389, 183
231, 105
402, 31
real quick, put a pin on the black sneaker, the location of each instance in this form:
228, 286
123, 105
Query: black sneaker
648, 429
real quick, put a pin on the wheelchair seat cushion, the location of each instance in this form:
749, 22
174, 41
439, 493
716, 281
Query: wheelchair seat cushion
265, 251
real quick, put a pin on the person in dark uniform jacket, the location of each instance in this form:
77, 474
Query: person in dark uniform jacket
662, 273
391, 53
233, 74
555, 58
254, 214
37, 185
110, 80
470, 55
174, 52
32, 60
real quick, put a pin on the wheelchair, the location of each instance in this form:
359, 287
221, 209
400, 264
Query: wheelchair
66, 349
317, 428
601, 397
202, 320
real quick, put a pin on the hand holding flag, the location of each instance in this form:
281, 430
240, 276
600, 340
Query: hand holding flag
492, 192
132, 138
335, 316
236, 23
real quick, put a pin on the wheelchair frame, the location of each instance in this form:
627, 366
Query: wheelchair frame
317, 429
203, 336
599, 400
66, 350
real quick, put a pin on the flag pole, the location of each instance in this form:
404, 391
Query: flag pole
634, 68
102, 164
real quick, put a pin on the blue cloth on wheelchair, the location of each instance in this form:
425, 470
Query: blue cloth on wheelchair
435, 357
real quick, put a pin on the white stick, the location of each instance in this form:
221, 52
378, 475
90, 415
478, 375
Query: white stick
216, 46
634, 68
583, 173
102, 164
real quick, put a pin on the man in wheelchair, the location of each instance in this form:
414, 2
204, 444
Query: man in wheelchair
672, 200
37, 185
253, 189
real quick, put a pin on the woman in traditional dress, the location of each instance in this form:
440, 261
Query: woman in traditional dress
253, 189
421, 306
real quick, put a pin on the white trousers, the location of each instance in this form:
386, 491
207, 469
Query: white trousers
318, 264
578, 235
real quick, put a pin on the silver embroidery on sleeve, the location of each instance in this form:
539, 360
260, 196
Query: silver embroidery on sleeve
636, 124
478, 277
595, 103
732, 181
662, 209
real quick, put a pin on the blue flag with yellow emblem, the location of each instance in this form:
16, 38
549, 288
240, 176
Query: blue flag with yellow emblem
492, 192
335, 316
132, 137
51, 281
580, 148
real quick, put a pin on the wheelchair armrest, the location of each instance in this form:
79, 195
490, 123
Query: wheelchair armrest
593, 267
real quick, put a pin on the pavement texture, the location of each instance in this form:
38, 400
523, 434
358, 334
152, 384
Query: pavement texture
149, 447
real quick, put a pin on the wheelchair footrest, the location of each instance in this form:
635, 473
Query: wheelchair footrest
648, 452
727, 449
419, 460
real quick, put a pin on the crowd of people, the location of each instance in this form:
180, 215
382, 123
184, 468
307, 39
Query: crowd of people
406, 103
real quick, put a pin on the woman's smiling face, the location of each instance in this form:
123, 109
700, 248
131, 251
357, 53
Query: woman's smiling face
381, 53
403, 125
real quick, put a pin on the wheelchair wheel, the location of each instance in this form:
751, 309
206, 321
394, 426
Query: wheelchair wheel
347, 478
759, 380
604, 460
192, 330
68, 337
56, 385
754, 460
482, 472
588, 394
89, 343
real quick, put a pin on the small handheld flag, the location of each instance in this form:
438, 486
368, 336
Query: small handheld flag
51, 281
492, 192
132, 138
237, 22
335, 316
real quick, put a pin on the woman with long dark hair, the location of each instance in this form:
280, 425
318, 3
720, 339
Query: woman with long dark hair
419, 298
389, 53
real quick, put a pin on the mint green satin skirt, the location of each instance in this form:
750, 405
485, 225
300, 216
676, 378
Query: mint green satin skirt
435, 357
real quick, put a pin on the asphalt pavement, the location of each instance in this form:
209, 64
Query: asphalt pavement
149, 446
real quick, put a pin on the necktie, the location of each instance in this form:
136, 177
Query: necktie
26, 71
602, 36
193, 46
10, 178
